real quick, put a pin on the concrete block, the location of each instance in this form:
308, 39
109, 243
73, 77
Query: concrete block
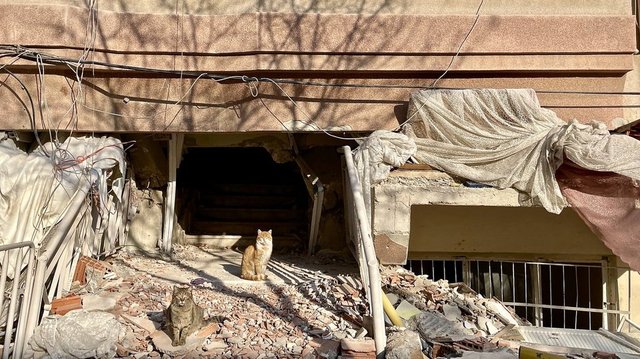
162, 342
146, 225
404, 345
143, 323
407, 310
365, 345
389, 251
326, 348
105, 302
452, 312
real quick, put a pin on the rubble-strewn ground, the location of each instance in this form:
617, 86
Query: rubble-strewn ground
310, 307
303, 310
298, 312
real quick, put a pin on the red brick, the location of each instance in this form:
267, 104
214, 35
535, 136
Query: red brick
366, 345
62, 306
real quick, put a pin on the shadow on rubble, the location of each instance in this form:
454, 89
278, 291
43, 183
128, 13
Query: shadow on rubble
312, 284
286, 311
285, 308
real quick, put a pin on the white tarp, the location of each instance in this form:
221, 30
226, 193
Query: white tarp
379, 152
77, 334
376, 155
503, 138
36, 188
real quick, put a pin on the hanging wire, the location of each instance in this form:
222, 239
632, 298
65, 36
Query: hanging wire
77, 67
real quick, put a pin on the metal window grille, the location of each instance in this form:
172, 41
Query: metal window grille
560, 295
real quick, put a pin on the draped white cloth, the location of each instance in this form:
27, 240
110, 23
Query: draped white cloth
503, 138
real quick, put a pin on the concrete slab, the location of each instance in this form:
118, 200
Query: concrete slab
407, 310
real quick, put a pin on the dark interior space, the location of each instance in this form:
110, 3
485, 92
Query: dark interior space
231, 192
579, 286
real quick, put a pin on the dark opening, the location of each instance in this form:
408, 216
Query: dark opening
226, 194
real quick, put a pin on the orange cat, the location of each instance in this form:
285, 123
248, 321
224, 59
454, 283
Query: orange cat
255, 257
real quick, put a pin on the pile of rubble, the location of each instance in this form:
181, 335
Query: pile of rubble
450, 318
343, 295
322, 316
456, 302
316, 318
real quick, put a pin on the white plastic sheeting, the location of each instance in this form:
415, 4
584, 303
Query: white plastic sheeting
77, 334
375, 157
35, 188
503, 138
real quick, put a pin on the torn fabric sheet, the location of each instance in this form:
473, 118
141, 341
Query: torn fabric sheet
381, 151
608, 204
503, 138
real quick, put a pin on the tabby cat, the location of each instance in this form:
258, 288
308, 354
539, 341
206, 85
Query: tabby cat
255, 257
183, 316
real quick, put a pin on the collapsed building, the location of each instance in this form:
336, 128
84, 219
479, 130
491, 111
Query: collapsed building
194, 124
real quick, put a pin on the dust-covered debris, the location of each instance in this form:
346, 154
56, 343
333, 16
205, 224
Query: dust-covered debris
456, 302
450, 318
265, 320
315, 314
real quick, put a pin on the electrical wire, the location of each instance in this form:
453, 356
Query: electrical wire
31, 112
464, 40
295, 104
253, 82
56, 60
433, 84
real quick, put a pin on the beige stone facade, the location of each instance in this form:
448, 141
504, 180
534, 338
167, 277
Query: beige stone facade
560, 48
344, 66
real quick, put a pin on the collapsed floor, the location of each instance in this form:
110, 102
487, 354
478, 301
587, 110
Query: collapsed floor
310, 307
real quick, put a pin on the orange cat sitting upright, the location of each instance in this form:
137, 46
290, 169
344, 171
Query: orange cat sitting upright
255, 257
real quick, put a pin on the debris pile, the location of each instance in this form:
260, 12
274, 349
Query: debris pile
323, 317
456, 302
450, 318
307, 320
343, 295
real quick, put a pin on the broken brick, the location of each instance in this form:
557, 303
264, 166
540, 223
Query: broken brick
62, 306
89, 265
358, 345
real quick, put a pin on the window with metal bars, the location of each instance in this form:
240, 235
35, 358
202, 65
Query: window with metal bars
560, 295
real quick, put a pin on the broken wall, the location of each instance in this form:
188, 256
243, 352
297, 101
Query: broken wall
325, 162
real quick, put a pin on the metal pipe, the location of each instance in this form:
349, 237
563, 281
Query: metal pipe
47, 253
169, 198
35, 302
379, 334
6, 247
318, 199
3, 278
605, 294
391, 311
62, 228
54, 258
315, 188
20, 342
8, 333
